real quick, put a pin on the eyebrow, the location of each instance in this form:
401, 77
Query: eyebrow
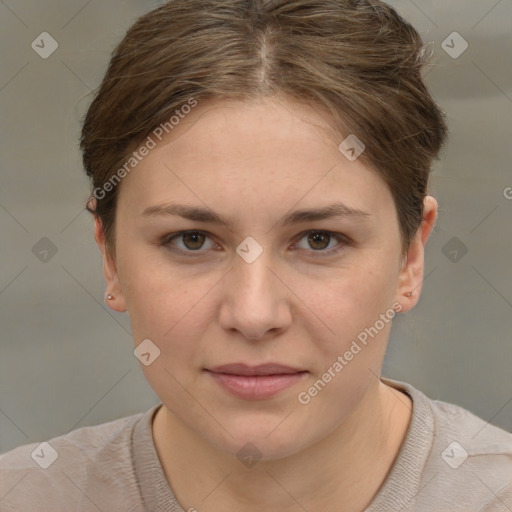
199, 214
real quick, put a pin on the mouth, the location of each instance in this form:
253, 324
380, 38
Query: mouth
255, 382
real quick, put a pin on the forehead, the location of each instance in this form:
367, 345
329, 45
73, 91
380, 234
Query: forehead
253, 129
273, 152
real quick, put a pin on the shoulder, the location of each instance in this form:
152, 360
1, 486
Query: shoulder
451, 459
470, 461
481, 437
75, 469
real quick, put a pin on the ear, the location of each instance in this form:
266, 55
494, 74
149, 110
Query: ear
410, 280
118, 303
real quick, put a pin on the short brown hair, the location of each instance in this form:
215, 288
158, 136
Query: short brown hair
359, 59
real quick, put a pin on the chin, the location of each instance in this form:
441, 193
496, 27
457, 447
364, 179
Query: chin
251, 439
249, 449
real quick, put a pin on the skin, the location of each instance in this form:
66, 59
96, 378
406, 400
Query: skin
255, 162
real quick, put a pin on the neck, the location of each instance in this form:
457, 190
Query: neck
348, 466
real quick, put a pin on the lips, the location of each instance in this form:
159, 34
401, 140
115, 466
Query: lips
256, 382
262, 369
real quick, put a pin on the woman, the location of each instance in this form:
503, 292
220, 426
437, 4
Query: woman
259, 189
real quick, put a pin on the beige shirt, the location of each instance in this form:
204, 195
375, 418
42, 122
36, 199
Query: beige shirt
450, 461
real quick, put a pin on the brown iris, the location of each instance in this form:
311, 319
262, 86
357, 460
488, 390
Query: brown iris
196, 239
316, 237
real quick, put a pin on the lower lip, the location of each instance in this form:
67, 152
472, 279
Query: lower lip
256, 387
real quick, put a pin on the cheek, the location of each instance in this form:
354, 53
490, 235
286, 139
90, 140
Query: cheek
348, 316
167, 311
156, 295
376, 280
358, 293
169, 307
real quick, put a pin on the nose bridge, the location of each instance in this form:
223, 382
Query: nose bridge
254, 302
254, 279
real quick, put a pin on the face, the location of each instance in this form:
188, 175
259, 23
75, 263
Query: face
266, 287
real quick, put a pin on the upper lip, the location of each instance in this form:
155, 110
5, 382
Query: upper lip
262, 369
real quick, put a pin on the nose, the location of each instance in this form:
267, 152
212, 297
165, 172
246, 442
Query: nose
255, 300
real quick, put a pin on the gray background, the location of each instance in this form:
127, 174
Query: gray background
67, 361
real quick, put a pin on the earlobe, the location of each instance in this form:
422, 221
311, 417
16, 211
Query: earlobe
411, 275
114, 297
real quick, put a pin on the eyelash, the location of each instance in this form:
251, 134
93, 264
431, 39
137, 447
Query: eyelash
342, 239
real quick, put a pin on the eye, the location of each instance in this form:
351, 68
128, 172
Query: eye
192, 240
320, 240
